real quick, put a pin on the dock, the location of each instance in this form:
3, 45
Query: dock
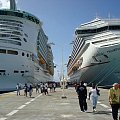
52, 106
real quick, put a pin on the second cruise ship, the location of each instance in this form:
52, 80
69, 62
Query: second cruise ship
95, 57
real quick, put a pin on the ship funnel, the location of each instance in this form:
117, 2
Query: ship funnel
13, 5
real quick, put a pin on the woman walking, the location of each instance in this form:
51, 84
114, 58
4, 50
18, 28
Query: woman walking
93, 95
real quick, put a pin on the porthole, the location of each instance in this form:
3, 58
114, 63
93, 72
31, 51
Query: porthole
23, 53
27, 55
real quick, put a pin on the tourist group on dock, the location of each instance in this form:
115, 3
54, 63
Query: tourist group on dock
40, 88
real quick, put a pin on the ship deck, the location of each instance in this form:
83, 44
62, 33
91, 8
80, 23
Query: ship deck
52, 106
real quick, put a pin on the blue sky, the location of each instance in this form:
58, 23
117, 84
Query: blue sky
61, 17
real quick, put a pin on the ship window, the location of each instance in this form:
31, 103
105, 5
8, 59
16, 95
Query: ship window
2, 51
22, 71
27, 55
23, 53
2, 70
16, 38
12, 52
116, 27
16, 71
16, 33
9, 23
26, 35
24, 39
11, 27
10, 41
102, 29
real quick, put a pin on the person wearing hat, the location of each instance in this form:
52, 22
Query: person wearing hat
114, 100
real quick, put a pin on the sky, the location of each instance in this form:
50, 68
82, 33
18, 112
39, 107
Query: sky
61, 17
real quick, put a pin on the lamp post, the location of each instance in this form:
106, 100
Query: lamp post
62, 78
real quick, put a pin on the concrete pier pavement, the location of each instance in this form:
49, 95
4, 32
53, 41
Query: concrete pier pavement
52, 106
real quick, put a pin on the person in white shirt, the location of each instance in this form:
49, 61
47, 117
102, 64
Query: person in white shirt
93, 96
18, 89
46, 88
54, 86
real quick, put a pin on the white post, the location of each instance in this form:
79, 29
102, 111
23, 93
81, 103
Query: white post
63, 81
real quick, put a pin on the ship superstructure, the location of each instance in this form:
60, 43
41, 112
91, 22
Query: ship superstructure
25, 54
95, 57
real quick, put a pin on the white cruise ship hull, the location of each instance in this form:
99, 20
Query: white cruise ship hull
8, 83
27, 72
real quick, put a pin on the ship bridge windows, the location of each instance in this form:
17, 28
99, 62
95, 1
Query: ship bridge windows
89, 31
15, 21
85, 31
116, 27
19, 14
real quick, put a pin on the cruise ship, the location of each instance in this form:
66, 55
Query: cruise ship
95, 56
25, 52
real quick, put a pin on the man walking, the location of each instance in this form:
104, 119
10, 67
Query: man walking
114, 99
82, 96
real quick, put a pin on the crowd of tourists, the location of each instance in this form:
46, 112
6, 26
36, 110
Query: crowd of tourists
40, 88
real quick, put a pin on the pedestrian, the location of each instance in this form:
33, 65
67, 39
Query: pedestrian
54, 86
46, 88
41, 87
18, 89
75, 85
30, 90
25, 89
37, 88
93, 96
82, 96
50, 86
114, 100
